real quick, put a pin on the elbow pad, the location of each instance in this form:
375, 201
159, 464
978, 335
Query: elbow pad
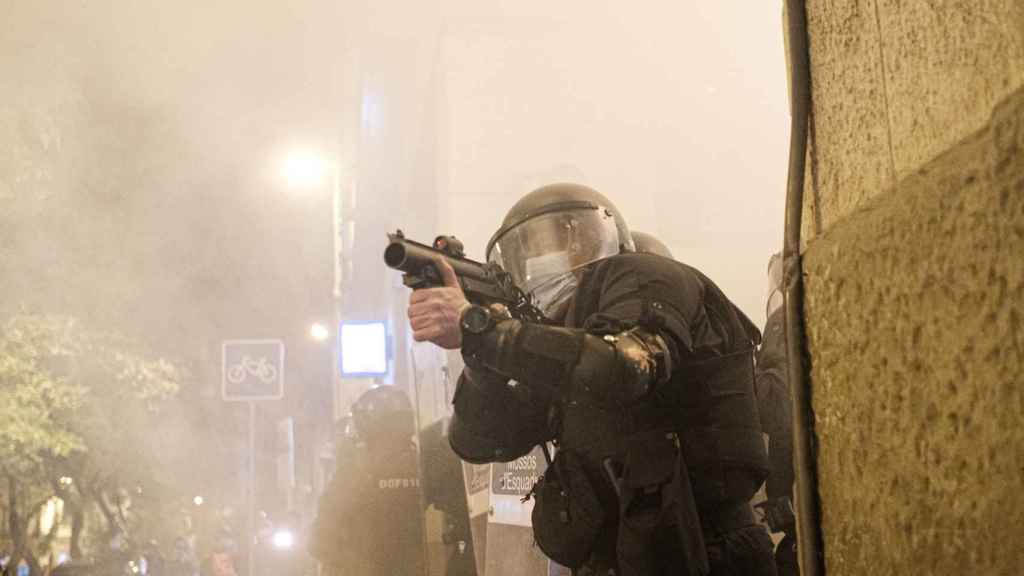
622, 369
496, 422
531, 354
617, 369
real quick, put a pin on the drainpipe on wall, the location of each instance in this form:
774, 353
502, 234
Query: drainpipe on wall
805, 457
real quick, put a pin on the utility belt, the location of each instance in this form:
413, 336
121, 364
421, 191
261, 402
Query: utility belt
657, 515
655, 465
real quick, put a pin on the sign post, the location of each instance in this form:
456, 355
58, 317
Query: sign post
250, 518
252, 370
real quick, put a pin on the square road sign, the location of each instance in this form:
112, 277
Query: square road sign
252, 370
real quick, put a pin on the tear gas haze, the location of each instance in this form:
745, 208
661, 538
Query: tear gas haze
177, 177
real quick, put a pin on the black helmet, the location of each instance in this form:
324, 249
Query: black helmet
648, 244
553, 231
345, 428
383, 413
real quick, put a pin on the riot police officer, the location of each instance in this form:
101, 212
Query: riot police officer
369, 520
643, 379
774, 405
773, 402
347, 444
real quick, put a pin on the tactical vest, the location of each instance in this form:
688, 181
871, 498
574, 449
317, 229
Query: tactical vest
714, 409
710, 400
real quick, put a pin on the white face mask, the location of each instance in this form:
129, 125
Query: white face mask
550, 280
550, 295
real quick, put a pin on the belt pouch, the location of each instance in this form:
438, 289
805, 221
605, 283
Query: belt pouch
659, 528
567, 515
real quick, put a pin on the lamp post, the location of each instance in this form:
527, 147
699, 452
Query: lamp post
302, 170
319, 332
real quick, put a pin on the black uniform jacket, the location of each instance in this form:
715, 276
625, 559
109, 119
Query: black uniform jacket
709, 399
370, 517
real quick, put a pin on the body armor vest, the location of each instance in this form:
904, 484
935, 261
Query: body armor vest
715, 412
709, 401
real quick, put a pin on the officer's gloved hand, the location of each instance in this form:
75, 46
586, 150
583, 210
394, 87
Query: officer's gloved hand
786, 563
778, 514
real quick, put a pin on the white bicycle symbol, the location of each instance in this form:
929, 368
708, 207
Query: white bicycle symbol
261, 369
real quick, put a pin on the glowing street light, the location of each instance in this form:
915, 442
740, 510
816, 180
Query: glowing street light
284, 539
304, 169
66, 481
319, 332
198, 500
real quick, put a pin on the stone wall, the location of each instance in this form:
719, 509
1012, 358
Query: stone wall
914, 269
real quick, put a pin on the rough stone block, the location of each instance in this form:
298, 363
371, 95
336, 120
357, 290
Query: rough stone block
851, 159
947, 63
915, 321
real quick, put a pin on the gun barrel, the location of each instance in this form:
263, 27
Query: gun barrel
396, 255
483, 284
413, 258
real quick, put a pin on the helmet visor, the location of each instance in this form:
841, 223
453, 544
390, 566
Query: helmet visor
549, 245
774, 284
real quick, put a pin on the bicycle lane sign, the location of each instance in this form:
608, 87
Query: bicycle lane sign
252, 370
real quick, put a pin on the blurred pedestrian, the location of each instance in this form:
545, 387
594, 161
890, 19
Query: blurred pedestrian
218, 564
183, 560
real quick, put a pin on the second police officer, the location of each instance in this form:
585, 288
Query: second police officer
773, 397
369, 520
773, 403
643, 381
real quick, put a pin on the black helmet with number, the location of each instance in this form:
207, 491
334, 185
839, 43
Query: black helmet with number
383, 414
648, 244
552, 232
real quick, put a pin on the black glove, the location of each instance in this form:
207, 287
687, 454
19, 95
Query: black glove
778, 514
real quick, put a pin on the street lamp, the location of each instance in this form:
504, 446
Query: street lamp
319, 332
284, 539
304, 169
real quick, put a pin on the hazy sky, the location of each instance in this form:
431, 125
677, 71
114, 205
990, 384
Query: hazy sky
675, 110
142, 139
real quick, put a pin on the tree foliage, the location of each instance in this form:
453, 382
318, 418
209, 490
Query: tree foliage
77, 404
34, 402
